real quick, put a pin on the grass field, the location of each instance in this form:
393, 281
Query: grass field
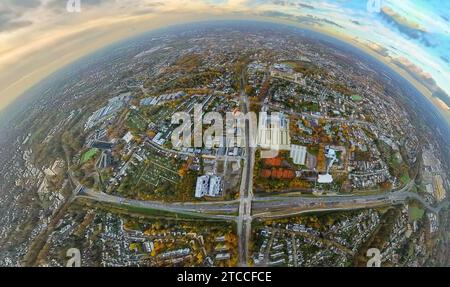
405, 178
356, 98
88, 155
416, 213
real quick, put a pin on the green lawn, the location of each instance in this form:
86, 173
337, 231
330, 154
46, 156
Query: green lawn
357, 98
88, 155
416, 213
308, 107
405, 178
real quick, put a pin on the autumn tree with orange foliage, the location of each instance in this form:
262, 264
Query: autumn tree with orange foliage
183, 170
264, 89
298, 183
150, 134
386, 185
321, 160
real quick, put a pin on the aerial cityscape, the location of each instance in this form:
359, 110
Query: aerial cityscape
228, 143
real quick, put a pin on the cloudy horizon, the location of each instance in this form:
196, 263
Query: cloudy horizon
39, 37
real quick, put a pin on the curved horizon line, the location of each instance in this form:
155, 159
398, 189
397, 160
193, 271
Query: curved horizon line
420, 88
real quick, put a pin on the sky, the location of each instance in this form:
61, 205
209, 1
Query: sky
39, 37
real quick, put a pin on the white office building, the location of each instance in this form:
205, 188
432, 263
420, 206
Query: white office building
127, 137
298, 154
108, 111
208, 185
273, 132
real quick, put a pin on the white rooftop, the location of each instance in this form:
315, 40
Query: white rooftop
325, 178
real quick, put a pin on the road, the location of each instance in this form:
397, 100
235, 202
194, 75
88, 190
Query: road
214, 210
275, 207
224, 210
244, 220
266, 207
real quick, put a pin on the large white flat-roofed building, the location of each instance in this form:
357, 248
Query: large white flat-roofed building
273, 132
325, 178
152, 101
208, 185
128, 137
288, 76
298, 154
215, 185
201, 188
108, 111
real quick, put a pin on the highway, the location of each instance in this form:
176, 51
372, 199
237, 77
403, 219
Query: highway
213, 210
275, 207
284, 206
265, 207
244, 220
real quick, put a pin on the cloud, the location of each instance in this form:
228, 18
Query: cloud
13, 13
60, 5
10, 20
22, 3
28, 27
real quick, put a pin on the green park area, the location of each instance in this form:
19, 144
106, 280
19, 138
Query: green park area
416, 213
88, 155
356, 98
307, 106
405, 178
